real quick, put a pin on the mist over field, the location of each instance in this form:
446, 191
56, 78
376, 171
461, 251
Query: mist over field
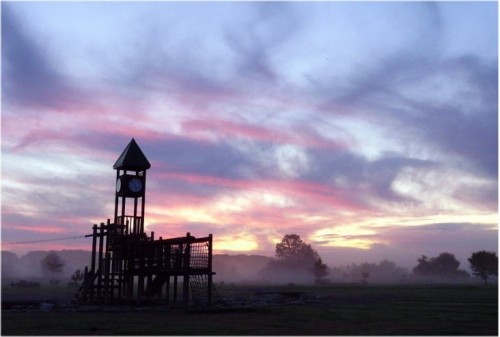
237, 269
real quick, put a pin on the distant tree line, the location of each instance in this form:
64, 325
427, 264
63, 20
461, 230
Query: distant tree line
298, 261
445, 266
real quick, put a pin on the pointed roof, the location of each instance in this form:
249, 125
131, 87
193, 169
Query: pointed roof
132, 158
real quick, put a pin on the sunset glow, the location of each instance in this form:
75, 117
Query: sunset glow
367, 128
244, 243
347, 236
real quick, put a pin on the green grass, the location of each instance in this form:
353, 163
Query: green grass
339, 310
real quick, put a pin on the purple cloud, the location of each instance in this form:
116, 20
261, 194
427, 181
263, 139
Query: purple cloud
29, 76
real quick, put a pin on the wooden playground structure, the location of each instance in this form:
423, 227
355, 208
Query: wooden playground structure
127, 265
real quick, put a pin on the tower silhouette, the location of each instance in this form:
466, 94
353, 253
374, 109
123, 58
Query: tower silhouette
128, 264
130, 196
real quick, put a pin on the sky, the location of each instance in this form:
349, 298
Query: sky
370, 129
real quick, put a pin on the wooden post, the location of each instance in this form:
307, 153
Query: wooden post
168, 266
175, 288
93, 258
140, 289
85, 281
108, 290
100, 260
136, 220
109, 236
94, 238
117, 276
130, 285
149, 270
123, 210
143, 200
186, 270
209, 290
116, 198
167, 289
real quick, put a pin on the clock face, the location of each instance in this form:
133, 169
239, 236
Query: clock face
135, 184
118, 185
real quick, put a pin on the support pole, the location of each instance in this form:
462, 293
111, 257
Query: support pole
94, 238
210, 274
186, 270
116, 198
136, 219
100, 260
175, 289
143, 200
108, 290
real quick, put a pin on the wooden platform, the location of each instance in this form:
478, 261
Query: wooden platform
128, 266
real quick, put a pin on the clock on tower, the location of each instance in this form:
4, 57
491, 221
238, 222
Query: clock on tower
130, 193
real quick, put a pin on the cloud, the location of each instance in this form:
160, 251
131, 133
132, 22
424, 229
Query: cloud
72, 199
451, 226
28, 74
483, 196
24, 233
470, 133
360, 178
250, 128
418, 94
183, 155
460, 121
254, 42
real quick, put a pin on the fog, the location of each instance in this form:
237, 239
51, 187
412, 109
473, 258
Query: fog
29, 266
231, 269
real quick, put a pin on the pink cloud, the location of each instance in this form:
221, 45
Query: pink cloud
309, 192
45, 229
20, 249
224, 128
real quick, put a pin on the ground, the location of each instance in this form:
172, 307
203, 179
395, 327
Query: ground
267, 310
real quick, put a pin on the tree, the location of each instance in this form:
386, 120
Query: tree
295, 252
423, 267
295, 261
364, 277
52, 263
484, 264
10, 261
77, 277
320, 270
444, 265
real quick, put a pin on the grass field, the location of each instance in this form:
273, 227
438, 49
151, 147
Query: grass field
304, 310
